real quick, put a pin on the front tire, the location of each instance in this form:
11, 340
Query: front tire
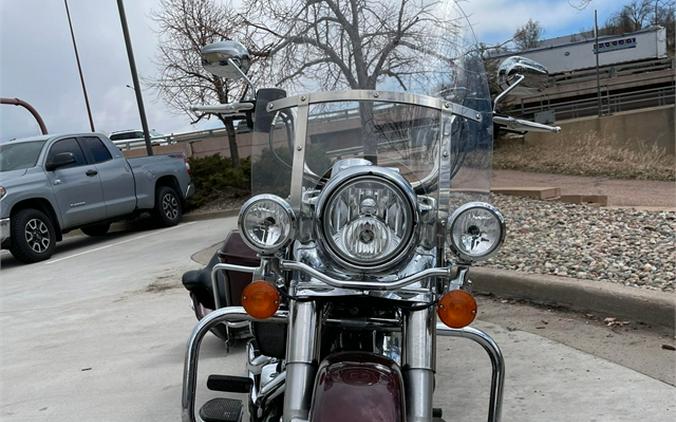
96, 230
33, 237
168, 208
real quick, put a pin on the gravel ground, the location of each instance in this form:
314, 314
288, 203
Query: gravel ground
625, 246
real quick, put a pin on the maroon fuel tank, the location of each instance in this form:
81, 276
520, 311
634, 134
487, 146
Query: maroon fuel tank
358, 387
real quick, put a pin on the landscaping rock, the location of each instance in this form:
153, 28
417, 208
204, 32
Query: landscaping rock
626, 246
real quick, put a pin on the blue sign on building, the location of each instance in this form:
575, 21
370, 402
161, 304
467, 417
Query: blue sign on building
621, 44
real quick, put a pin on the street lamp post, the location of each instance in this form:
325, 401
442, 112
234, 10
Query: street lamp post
79, 69
134, 76
596, 52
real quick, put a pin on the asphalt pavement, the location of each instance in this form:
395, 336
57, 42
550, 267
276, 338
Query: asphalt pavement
98, 333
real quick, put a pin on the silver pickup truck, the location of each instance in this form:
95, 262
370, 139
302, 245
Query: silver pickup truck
52, 184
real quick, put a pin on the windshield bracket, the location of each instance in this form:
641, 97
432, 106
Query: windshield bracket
375, 96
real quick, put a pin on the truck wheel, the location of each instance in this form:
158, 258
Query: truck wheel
96, 230
33, 237
168, 209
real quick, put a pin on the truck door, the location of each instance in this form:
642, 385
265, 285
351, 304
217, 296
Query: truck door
117, 179
77, 187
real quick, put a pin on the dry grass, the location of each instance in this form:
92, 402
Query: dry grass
586, 155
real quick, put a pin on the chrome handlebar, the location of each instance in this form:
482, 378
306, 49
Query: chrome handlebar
527, 125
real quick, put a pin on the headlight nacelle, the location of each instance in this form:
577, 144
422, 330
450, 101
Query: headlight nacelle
475, 231
267, 223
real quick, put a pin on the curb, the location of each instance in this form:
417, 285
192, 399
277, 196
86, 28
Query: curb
210, 215
647, 306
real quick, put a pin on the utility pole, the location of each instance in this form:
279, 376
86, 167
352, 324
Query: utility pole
134, 77
596, 51
79, 68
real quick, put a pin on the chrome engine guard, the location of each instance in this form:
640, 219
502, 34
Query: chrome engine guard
237, 313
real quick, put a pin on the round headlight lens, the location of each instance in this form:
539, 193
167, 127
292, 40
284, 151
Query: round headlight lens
266, 223
476, 231
367, 221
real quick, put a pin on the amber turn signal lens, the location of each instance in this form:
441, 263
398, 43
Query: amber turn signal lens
457, 309
260, 299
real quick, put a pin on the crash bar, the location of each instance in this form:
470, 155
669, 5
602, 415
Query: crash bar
219, 316
497, 363
237, 313
286, 265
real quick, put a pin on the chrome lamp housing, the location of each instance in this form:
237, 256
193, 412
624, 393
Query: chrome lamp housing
267, 223
476, 230
366, 218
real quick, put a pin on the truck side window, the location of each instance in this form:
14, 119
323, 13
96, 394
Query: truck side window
95, 149
68, 145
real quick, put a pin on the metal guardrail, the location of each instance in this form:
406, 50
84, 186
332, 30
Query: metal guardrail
615, 70
610, 103
173, 138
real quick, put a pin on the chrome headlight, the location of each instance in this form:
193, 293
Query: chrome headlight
476, 230
367, 217
267, 223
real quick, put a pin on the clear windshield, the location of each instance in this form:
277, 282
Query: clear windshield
420, 104
20, 155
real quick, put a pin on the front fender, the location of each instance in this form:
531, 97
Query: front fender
358, 387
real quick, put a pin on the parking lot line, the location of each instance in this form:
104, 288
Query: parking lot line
118, 243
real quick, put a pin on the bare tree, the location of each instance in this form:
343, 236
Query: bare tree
347, 44
528, 36
632, 17
665, 15
185, 26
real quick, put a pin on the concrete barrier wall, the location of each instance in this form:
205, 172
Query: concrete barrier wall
637, 130
200, 147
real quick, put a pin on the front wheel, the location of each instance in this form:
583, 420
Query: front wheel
33, 236
168, 209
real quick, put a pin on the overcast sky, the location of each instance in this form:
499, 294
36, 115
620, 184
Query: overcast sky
37, 63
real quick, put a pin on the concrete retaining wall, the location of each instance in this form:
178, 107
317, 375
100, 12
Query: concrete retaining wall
201, 147
638, 130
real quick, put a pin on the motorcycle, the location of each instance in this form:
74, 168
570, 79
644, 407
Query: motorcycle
354, 252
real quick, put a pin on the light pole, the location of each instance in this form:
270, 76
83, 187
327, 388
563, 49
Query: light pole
134, 76
598, 76
79, 68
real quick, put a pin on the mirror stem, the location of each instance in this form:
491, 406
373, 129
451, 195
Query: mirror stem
232, 63
503, 94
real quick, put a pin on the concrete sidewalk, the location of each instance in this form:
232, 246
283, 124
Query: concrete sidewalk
643, 193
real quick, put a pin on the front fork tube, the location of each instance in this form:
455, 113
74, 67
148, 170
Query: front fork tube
418, 363
301, 355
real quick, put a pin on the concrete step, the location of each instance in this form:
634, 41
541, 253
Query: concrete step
553, 194
544, 193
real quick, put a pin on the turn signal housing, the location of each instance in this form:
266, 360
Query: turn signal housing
457, 308
260, 299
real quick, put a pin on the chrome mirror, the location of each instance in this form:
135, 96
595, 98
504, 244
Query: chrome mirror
535, 75
520, 76
228, 59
